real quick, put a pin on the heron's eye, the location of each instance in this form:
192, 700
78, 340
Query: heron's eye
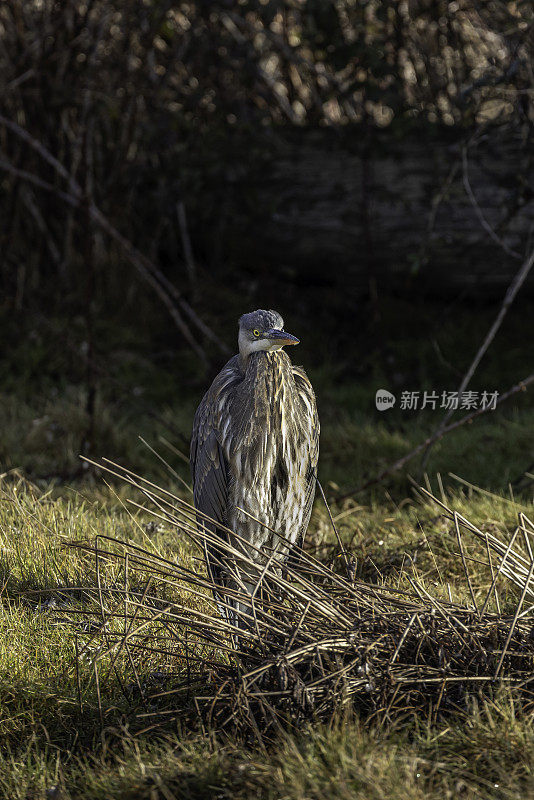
256, 332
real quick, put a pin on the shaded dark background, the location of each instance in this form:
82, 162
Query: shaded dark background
363, 167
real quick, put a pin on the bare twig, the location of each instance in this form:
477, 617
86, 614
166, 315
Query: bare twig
186, 243
509, 297
482, 219
464, 562
168, 293
336, 532
397, 465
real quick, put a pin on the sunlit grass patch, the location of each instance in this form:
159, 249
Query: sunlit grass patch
45, 733
48, 584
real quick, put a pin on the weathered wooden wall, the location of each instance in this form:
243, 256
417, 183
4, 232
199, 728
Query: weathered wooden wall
326, 205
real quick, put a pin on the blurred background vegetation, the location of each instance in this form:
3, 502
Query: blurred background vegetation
363, 167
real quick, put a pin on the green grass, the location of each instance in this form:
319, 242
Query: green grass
47, 742
49, 748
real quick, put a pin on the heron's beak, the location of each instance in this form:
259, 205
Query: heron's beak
280, 337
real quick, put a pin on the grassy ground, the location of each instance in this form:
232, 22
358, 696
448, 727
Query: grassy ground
52, 749
48, 742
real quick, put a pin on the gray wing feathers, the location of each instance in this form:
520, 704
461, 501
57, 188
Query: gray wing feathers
209, 466
311, 445
210, 478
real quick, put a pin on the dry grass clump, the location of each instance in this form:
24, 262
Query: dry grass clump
313, 639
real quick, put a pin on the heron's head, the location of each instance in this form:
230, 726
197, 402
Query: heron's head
262, 330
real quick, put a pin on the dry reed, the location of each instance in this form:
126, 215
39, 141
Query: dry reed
312, 641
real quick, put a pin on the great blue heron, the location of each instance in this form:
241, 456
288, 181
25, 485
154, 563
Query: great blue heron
254, 449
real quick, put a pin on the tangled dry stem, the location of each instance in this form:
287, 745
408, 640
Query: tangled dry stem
312, 641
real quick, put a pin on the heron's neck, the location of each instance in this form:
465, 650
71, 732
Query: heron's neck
261, 399
255, 364
265, 371
244, 359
